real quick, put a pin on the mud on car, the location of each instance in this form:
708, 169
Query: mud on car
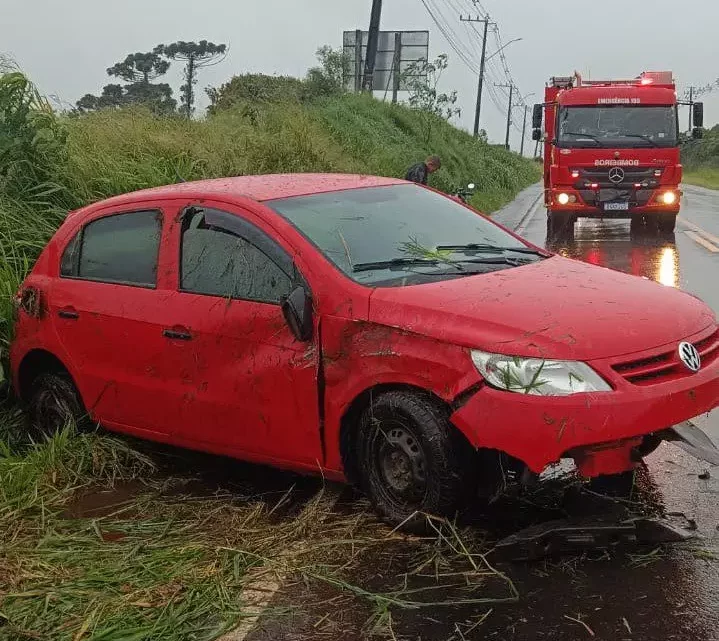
364, 328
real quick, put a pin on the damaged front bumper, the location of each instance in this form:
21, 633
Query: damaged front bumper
603, 433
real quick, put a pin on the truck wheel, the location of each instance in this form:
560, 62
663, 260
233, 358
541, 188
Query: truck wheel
559, 224
636, 225
411, 461
54, 403
667, 223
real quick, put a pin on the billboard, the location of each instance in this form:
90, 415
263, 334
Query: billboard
396, 50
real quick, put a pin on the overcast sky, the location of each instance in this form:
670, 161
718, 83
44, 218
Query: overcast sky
66, 46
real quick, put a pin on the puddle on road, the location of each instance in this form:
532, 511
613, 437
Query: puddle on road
609, 244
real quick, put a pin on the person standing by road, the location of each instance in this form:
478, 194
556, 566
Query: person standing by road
420, 172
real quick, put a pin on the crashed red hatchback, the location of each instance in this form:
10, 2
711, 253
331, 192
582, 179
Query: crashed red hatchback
365, 328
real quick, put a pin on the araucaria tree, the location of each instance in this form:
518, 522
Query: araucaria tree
196, 56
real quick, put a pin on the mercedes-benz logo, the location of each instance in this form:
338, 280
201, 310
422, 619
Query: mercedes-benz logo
616, 175
690, 357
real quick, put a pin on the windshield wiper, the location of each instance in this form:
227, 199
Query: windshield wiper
591, 137
653, 143
397, 263
475, 247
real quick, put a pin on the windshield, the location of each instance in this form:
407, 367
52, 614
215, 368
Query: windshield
401, 235
618, 126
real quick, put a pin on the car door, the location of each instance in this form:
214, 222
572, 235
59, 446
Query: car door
105, 308
248, 385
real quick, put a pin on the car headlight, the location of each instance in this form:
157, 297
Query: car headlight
536, 376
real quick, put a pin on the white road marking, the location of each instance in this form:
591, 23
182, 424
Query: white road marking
262, 585
702, 241
702, 232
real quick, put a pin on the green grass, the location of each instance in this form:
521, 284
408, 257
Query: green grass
703, 177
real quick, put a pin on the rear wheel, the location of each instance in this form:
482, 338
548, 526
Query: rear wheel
667, 223
411, 461
53, 404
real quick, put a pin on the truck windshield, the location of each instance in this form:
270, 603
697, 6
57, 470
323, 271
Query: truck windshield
618, 126
401, 235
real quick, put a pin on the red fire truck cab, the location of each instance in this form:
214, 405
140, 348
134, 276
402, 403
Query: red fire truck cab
611, 150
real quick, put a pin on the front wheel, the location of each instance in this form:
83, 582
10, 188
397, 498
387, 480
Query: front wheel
667, 223
411, 460
559, 224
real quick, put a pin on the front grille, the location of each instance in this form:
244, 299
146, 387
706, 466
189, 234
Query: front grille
632, 176
666, 366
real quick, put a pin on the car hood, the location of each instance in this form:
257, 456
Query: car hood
555, 308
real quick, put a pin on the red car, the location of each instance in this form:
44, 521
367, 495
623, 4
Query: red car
366, 328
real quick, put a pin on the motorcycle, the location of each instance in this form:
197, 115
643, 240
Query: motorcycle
463, 194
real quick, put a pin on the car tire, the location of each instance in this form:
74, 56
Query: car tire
615, 485
411, 461
667, 223
54, 403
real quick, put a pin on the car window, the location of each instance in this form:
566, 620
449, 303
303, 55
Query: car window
121, 248
68, 264
218, 261
400, 222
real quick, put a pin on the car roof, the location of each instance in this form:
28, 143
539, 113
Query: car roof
260, 187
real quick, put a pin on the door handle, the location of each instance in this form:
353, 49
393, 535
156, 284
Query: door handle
69, 314
177, 335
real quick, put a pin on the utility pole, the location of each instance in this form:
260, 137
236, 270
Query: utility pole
480, 82
396, 64
372, 41
509, 110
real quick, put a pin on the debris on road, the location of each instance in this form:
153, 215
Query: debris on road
565, 536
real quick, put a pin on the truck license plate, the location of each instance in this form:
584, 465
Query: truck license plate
616, 206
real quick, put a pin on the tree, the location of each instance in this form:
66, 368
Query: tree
138, 70
422, 80
196, 56
140, 67
328, 78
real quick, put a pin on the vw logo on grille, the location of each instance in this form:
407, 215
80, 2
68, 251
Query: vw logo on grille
690, 357
616, 175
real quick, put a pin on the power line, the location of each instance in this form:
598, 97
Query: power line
450, 40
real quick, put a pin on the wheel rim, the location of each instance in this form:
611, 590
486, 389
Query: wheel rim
401, 462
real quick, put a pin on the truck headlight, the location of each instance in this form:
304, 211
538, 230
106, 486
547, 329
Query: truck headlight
669, 198
563, 198
538, 377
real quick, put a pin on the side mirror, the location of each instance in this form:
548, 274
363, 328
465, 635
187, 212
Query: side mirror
697, 133
297, 310
698, 114
536, 134
537, 114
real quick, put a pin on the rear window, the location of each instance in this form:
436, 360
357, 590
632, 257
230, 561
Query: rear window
121, 248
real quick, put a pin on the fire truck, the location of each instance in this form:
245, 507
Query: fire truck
611, 150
